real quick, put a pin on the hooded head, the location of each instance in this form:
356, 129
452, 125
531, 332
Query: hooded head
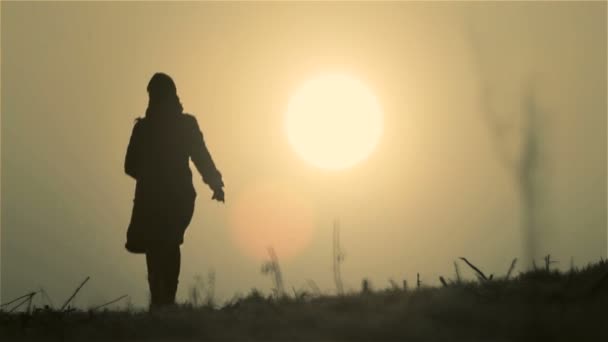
163, 99
161, 86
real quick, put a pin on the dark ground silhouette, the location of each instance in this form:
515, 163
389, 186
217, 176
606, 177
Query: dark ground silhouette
538, 305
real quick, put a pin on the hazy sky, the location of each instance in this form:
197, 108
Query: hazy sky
74, 78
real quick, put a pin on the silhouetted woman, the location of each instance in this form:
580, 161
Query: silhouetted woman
158, 155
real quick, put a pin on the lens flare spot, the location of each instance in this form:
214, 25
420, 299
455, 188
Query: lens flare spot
271, 215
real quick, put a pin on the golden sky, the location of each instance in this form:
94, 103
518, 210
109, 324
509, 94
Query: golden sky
74, 76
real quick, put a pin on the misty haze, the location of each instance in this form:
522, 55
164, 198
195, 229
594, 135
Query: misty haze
359, 146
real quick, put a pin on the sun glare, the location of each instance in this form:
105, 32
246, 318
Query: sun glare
333, 121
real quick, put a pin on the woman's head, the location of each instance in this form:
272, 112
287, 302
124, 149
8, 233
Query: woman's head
161, 86
163, 96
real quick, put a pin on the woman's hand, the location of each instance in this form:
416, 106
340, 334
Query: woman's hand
218, 195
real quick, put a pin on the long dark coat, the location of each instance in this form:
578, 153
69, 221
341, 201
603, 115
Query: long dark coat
158, 158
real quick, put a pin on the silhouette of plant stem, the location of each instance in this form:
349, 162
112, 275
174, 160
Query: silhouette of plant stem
17, 299
571, 264
29, 303
19, 305
480, 274
315, 288
64, 306
338, 257
273, 267
366, 286
511, 268
457, 272
548, 262
28, 300
110, 302
210, 298
203, 286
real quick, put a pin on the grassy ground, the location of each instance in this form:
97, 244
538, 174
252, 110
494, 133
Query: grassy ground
538, 305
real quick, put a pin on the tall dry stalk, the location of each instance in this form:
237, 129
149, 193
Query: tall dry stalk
65, 305
272, 267
338, 258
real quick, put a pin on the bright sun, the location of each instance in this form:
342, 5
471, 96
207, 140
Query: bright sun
333, 121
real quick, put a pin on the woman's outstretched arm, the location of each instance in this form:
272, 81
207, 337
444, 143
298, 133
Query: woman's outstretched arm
204, 163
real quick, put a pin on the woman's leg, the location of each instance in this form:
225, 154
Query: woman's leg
163, 273
154, 265
171, 273
180, 213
